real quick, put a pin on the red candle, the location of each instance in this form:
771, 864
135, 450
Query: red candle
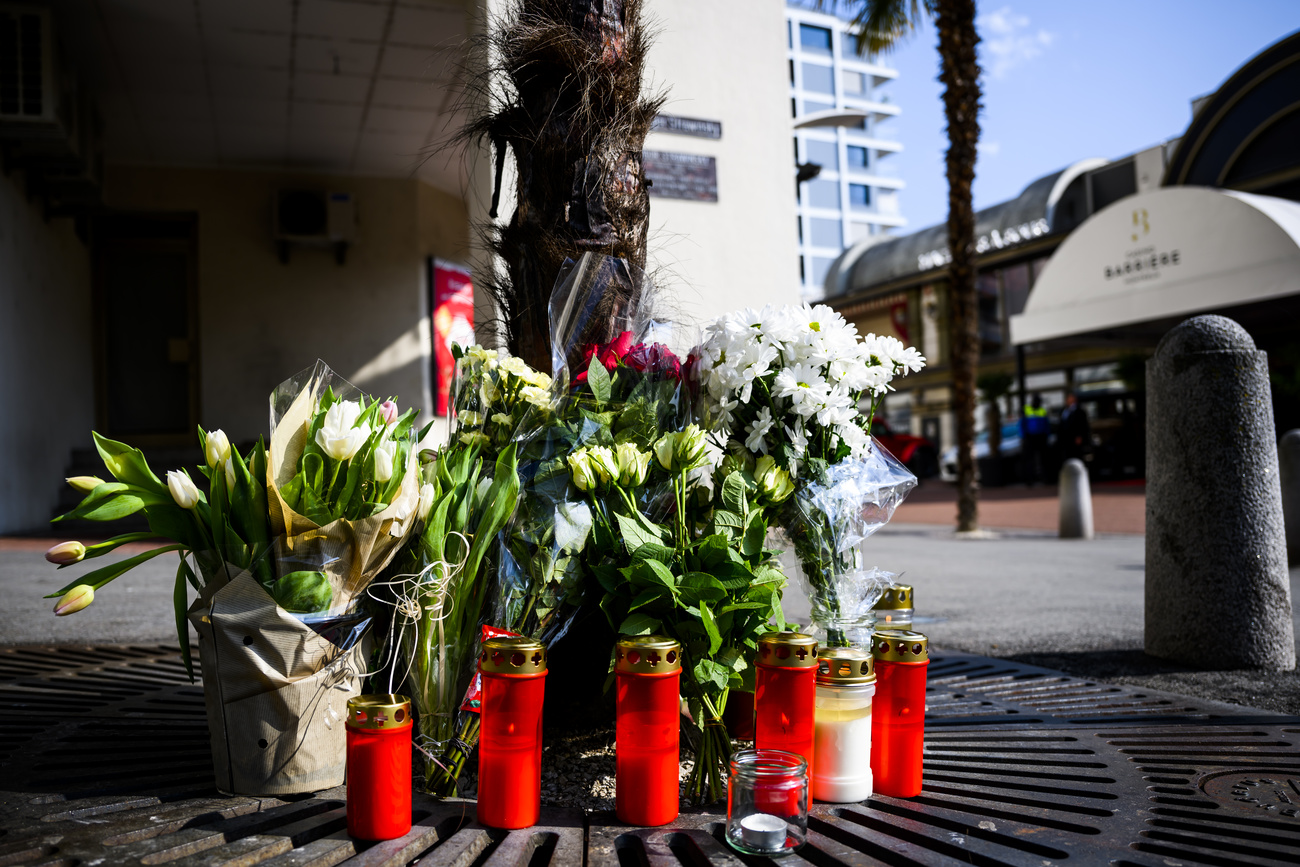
510, 733
898, 712
785, 694
379, 766
649, 670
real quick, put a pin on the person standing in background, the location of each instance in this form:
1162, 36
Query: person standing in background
1034, 429
1075, 432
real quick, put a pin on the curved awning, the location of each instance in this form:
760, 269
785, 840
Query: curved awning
1170, 252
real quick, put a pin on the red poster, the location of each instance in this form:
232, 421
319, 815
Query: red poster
898, 316
453, 322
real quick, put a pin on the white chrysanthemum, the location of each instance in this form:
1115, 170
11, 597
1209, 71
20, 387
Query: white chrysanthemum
756, 441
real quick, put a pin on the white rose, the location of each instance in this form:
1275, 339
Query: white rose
339, 437
183, 489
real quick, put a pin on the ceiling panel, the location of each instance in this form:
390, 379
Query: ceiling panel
272, 82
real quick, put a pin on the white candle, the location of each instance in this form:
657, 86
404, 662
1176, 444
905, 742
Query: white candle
763, 831
842, 755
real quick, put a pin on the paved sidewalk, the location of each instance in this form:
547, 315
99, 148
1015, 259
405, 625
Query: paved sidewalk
1116, 508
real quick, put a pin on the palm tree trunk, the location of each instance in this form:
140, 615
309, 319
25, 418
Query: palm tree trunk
564, 97
959, 72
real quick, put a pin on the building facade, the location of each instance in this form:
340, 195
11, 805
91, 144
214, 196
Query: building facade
843, 112
144, 286
1133, 262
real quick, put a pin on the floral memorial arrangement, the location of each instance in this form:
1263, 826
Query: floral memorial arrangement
644, 475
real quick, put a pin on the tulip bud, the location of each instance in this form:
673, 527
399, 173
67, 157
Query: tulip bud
85, 484
339, 436
604, 462
689, 447
774, 483
216, 448
182, 488
427, 492
384, 455
74, 600
229, 467
580, 467
663, 449
65, 553
388, 411
633, 464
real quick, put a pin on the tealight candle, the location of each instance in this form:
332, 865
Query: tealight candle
763, 831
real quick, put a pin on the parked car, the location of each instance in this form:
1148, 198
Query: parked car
918, 454
1010, 451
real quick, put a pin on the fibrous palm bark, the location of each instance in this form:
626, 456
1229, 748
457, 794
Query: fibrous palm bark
959, 72
563, 94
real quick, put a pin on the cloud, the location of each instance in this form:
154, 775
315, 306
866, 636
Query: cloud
1007, 41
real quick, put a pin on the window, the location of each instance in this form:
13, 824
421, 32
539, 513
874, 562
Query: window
858, 231
792, 73
799, 223
814, 40
825, 233
990, 313
849, 49
823, 194
810, 107
818, 78
856, 157
820, 267
823, 153
1015, 288
855, 83
859, 196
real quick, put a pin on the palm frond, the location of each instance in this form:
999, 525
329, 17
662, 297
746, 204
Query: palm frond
881, 24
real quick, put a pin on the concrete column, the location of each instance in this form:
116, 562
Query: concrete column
1288, 460
1076, 500
1217, 589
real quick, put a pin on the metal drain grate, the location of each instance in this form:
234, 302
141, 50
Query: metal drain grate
1023, 766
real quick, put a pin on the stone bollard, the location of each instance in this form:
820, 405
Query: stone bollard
1076, 500
1217, 590
1288, 463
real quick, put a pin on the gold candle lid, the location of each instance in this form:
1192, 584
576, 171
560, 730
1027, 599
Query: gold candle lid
511, 654
647, 654
787, 650
900, 645
845, 666
896, 596
379, 711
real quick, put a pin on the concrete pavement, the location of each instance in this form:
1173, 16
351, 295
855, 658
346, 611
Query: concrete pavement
1073, 605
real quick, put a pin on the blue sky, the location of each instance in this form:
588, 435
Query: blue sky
1064, 81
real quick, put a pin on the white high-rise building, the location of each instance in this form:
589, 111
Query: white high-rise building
844, 123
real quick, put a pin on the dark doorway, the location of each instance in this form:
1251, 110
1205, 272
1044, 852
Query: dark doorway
146, 294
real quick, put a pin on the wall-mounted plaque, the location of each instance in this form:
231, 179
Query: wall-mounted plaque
686, 126
681, 176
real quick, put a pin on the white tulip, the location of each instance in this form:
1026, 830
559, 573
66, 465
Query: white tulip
230, 474
384, 454
217, 448
339, 437
183, 490
426, 500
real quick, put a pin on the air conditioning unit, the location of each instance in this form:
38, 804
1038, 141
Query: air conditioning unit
30, 78
313, 218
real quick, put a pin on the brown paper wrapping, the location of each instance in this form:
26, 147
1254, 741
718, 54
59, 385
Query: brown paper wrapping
276, 693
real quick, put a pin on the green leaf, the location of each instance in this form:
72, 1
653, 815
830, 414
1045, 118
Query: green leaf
648, 597
654, 551
598, 380
609, 577
99, 577
713, 551
612, 605
735, 493
639, 624
107, 502
179, 603
636, 532
649, 573
701, 586
711, 627
755, 532
127, 464
707, 671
